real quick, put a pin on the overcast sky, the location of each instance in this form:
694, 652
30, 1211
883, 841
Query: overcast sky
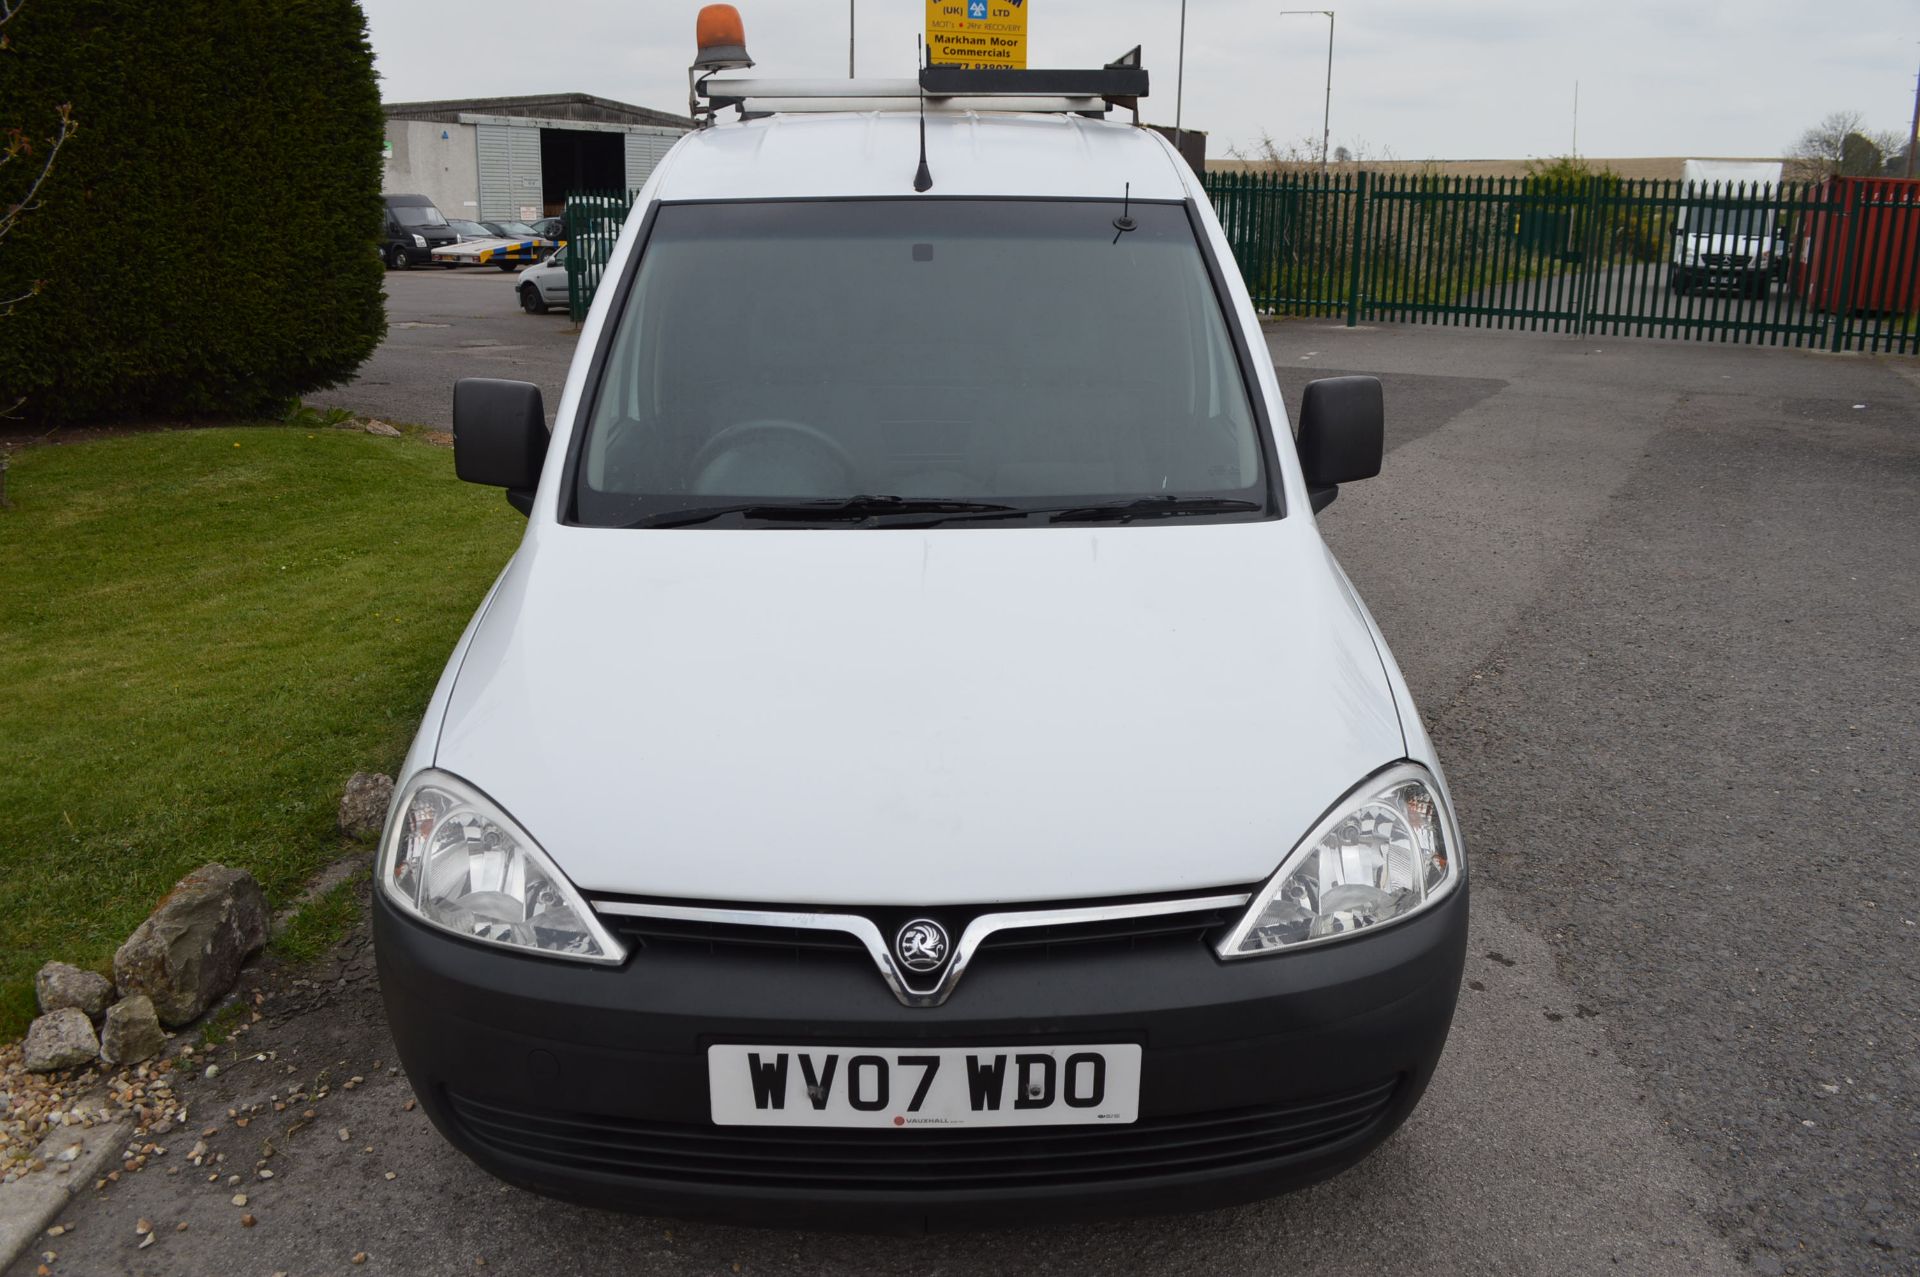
1412, 79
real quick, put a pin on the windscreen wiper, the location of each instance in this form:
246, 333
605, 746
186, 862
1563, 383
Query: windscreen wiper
1166, 507
1169, 506
851, 508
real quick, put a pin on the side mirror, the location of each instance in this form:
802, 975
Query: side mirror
1343, 432
500, 436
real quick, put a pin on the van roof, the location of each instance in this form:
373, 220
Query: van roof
875, 153
409, 200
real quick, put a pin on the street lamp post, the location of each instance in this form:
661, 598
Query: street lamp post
1180, 76
1326, 112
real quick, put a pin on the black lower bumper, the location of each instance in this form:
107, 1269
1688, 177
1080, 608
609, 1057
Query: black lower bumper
590, 1083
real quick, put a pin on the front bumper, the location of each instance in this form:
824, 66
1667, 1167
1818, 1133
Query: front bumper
590, 1083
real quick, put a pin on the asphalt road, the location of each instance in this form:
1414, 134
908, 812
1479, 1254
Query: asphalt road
1658, 604
443, 325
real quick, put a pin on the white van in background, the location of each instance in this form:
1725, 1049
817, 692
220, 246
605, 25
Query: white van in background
1724, 236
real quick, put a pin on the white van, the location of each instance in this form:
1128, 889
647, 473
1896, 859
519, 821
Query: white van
922, 767
1725, 235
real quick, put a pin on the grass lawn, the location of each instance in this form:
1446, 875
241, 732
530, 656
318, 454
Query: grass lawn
203, 633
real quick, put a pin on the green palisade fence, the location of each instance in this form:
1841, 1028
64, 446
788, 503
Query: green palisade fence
594, 220
1593, 256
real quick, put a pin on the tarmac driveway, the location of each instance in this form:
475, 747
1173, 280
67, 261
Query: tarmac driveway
1659, 604
443, 325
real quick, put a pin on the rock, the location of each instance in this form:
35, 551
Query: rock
188, 952
59, 985
363, 808
381, 428
131, 1032
61, 1039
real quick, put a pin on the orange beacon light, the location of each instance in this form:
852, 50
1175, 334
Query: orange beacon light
722, 38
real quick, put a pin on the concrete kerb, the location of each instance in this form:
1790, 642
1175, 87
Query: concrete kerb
73, 1155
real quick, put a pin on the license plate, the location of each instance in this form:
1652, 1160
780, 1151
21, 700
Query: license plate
924, 1086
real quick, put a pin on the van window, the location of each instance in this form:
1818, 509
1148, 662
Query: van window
1023, 353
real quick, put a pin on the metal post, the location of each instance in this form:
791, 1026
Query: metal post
1326, 109
1589, 250
1180, 77
1326, 112
1851, 200
1913, 131
850, 5
1354, 273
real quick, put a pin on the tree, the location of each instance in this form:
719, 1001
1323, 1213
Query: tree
34, 158
208, 245
1840, 145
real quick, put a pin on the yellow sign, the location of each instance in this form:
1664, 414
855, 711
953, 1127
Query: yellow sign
978, 33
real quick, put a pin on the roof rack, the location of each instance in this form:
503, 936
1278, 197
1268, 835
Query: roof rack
1121, 83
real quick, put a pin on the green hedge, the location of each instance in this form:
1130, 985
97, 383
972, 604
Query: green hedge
207, 238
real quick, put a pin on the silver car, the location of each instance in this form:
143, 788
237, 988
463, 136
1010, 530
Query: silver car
544, 284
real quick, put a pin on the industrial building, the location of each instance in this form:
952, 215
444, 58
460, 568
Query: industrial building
504, 158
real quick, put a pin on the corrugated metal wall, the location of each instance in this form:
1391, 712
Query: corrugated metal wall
646, 148
509, 169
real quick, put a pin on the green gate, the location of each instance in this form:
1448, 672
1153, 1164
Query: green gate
1483, 251
1600, 255
594, 220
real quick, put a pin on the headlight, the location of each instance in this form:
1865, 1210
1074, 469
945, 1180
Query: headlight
419, 241
453, 859
1387, 851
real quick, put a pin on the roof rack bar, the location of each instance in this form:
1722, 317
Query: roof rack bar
939, 82
1103, 82
727, 90
943, 105
1087, 91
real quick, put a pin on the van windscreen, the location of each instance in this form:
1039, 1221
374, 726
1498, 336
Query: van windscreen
872, 362
418, 215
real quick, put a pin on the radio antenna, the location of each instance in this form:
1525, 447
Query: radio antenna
923, 177
1124, 223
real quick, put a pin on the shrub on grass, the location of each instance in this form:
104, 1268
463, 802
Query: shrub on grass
1627, 232
208, 245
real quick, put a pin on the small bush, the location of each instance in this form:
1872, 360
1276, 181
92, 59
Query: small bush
207, 241
1626, 232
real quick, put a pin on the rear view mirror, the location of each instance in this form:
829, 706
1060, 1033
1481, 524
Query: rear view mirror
500, 436
1343, 431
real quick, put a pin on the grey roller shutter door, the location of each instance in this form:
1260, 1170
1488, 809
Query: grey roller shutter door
509, 157
644, 151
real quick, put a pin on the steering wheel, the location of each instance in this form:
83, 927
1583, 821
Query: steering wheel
746, 432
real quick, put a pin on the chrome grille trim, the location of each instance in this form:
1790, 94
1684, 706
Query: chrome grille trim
868, 934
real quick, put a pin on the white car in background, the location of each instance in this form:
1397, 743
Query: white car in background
544, 284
